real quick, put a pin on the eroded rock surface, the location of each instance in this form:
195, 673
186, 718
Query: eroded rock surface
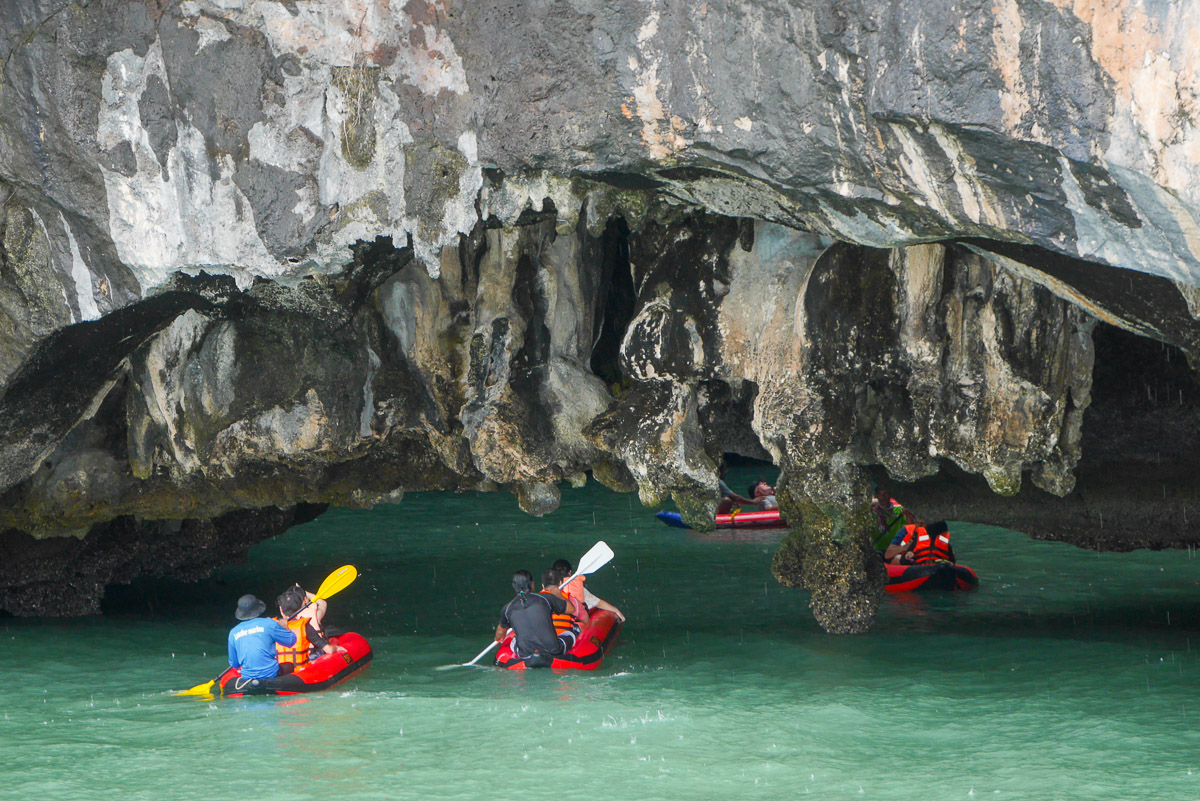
258, 254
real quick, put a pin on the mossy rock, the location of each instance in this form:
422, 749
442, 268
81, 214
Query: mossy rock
360, 85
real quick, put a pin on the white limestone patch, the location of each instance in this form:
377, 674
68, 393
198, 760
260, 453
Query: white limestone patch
1166, 244
458, 213
341, 182
927, 189
82, 276
434, 66
210, 32
517, 194
356, 33
163, 387
186, 221
279, 433
290, 137
978, 203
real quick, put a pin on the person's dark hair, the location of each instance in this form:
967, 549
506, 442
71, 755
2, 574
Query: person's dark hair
549, 578
937, 527
522, 581
291, 601
562, 569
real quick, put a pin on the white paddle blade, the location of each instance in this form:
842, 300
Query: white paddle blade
599, 556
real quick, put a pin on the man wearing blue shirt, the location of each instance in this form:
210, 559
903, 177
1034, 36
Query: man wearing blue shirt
252, 642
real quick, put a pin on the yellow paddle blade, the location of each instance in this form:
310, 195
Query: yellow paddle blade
200, 689
336, 581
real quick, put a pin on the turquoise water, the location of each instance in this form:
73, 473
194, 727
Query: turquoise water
1069, 675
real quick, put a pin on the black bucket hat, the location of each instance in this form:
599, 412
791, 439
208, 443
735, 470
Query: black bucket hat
249, 607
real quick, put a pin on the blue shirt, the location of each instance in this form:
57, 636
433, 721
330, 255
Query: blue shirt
252, 646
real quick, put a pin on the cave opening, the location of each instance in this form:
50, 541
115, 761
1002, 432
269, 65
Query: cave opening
1145, 402
1135, 485
619, 298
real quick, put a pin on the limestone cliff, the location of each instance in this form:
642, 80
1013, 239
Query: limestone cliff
262, 253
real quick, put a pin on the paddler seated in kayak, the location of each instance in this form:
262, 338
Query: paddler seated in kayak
890, 518
575, 616
921, 545
729, 498
314, 608
309, 638
531, 616
576, 589
252, 642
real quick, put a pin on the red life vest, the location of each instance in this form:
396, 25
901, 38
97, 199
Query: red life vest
296, 654
930, 549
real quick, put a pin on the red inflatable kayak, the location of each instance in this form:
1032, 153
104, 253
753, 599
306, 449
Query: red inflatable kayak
937, 576
736, 519
320, 674
593, 642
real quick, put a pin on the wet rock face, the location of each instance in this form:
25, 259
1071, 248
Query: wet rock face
260, 254
67, 575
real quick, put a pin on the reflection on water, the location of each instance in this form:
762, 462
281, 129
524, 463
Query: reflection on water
1067, 675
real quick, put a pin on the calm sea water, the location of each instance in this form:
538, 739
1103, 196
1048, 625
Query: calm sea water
1068, 675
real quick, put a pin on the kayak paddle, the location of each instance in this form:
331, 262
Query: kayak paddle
334, 583
596, 558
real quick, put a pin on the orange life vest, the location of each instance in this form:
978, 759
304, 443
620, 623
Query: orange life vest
563, 621
295, 654
928, 549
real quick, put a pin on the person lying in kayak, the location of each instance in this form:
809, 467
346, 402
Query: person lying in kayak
562, 571
763, 495
918, 545
309, 638
576, 614
531, 616
252, 642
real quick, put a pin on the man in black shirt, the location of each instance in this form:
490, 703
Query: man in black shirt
531, 616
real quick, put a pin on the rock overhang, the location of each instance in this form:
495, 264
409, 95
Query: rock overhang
805, 159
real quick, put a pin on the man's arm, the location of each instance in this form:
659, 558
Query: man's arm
897, 548
281, 634
503, 626
578, 610
603, 604
233, 660
317, 640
